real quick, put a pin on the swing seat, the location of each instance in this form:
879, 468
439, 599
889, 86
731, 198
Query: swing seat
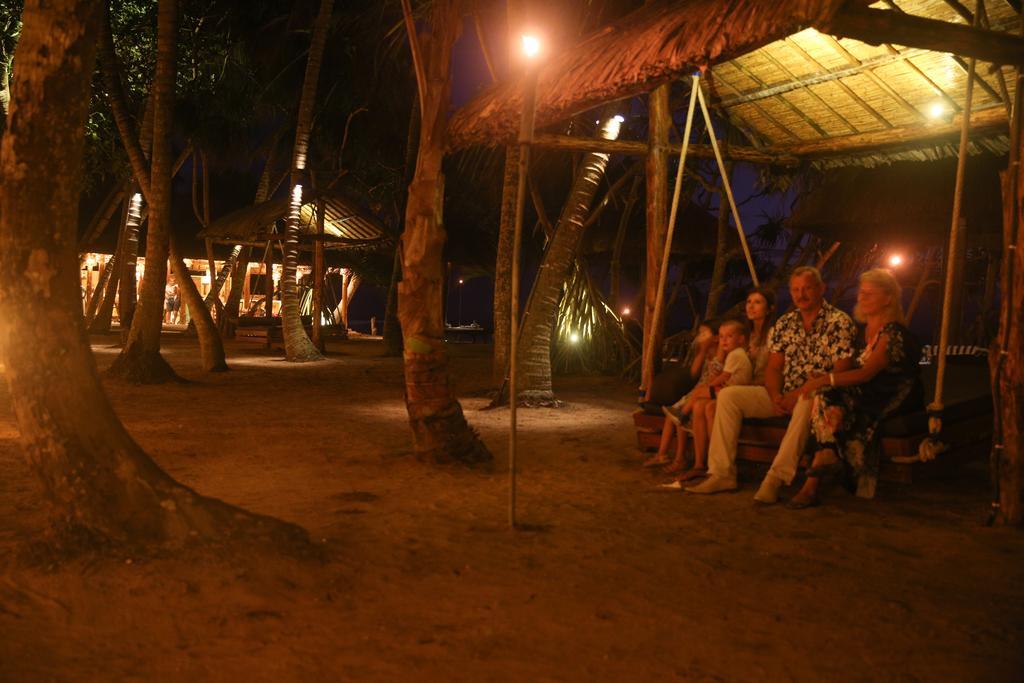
967, 423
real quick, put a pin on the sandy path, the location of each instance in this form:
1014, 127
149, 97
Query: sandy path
424, 582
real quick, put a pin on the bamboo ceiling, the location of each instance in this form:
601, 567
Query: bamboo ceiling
829, 89
796, 94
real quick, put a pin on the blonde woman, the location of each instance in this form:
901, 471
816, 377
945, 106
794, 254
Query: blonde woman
849, 406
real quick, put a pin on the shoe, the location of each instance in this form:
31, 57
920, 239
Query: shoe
768, 493
714, 484
673, 414
671, 486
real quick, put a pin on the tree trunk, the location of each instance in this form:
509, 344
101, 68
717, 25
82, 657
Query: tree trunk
1007, 356
615, 269
239, 275
503, 267
140, 359
717, 285
127, 291
440, 431
211, 348
297, 345
392, 328
98, 293
660, 122
542, 306
97, 478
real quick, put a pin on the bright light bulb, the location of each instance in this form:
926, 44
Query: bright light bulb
297, 193
895, 260
460, 280
531, 46
937, 110
625, 311
619, 118
574, 338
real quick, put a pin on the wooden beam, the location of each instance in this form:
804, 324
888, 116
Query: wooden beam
637, 148
985, 121
875, 26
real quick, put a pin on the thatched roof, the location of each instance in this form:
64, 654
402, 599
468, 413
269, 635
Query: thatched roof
907, 202
648, 47
793, 90
346, 224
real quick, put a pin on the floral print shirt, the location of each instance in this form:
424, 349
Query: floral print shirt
807, 353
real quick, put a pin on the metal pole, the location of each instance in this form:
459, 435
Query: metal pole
728, 187
525, 140
659, 299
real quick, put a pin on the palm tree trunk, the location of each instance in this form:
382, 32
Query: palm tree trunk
297, 345
542, 306
140, 359
503, 267
210, 345
95, 476
440, 430
615, 268
392, 328
717, 285
127, 292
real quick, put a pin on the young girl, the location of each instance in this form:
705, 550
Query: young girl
730, 366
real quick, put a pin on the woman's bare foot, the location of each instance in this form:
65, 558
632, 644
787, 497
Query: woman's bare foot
694, 473
656, 460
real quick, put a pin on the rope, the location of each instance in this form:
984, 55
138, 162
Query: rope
728, 188
659, 299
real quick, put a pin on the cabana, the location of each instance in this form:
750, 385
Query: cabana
333, 227
810, 84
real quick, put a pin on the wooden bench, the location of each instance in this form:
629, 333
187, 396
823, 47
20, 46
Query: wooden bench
759, 439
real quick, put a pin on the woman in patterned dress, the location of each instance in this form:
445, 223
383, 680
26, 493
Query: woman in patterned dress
849, 406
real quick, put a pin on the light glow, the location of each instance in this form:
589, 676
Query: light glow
573, 338
460, 280
937, 110
297, 193
531, 46
625, 311
895, 261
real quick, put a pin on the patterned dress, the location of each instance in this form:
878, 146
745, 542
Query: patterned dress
846, 419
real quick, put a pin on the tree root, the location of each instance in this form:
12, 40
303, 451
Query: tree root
142, 368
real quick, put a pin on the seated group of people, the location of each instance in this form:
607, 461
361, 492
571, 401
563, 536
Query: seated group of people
835, 380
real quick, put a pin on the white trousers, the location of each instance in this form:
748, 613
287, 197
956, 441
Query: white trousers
736, 403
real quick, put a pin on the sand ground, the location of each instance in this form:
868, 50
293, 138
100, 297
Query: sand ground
424, 581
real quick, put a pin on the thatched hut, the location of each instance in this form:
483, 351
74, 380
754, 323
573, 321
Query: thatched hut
813, 84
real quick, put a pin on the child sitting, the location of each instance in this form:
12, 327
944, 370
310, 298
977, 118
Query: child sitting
729, 366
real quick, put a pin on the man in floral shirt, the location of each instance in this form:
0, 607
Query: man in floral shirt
815, 339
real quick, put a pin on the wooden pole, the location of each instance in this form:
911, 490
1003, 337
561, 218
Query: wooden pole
935, 425
659, 125
1006, 361
525, 139
727, 186
318, 277
659, 299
